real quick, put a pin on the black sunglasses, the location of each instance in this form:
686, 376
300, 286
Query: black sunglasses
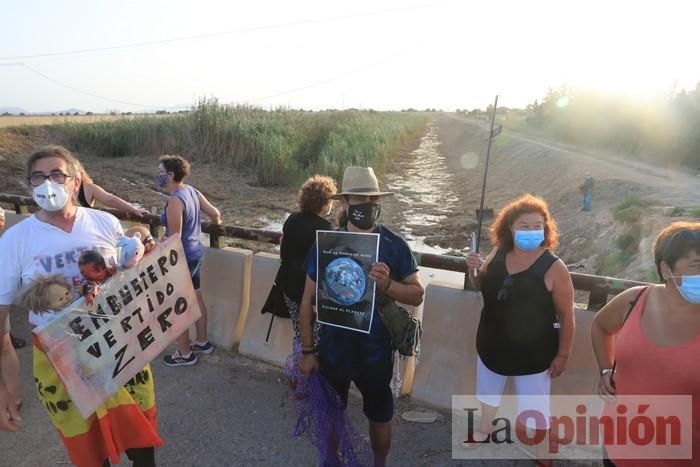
503, 293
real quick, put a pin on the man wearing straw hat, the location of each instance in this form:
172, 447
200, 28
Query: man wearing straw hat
345, 356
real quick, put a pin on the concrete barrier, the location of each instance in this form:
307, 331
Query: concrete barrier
253, 344
448, 352
427, 276
226, 291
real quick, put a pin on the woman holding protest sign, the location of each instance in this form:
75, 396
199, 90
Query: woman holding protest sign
49, 242
182, 217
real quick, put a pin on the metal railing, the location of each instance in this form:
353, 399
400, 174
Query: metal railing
599, 288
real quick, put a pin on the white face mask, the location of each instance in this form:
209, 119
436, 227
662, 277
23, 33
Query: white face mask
51, 196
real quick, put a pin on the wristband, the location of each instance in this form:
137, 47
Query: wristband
605, 371
309, 351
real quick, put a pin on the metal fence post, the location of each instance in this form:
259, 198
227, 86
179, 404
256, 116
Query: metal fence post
21, 208
216, 240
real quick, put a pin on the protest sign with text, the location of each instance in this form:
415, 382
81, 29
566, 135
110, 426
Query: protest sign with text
139, 311
344, 292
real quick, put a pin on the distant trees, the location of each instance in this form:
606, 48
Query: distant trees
664, 130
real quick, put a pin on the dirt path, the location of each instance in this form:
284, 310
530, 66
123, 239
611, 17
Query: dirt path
672, 186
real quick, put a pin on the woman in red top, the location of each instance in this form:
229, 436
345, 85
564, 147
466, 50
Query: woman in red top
653, 348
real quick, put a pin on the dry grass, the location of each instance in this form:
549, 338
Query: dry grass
15, 120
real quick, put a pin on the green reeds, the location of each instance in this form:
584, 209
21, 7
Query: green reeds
280, 147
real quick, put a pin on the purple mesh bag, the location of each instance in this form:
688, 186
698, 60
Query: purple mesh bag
321, 416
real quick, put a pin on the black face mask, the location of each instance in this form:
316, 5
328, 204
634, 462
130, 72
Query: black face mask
365, 215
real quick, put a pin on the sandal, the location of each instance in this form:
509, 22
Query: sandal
466, 444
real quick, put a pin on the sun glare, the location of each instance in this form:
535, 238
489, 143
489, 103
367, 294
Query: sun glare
562, 102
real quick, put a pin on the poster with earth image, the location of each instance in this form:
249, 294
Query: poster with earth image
344, 292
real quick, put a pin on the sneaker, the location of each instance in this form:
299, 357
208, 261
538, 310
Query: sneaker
199, 348
177, 359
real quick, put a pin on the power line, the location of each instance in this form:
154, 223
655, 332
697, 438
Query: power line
385, 59
329, 79
210, 35
109, 99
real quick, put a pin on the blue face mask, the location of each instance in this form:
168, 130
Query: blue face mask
528, 240
689, 288
161, 179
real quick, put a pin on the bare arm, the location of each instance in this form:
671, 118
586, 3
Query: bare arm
96, 192
409, 290
563, 298
8, 407
174, 213
209, 209
608, 322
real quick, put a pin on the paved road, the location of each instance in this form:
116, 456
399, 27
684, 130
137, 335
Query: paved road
226, 411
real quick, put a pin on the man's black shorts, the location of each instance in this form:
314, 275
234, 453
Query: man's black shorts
372, 378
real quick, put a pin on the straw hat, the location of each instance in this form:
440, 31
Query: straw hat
360, 181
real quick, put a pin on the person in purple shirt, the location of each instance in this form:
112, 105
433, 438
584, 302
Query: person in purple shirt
181, 216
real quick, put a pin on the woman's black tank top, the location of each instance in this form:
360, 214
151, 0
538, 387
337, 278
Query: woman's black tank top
81, 197
518, 332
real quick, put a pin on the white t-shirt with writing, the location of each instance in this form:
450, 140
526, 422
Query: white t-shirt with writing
32, 247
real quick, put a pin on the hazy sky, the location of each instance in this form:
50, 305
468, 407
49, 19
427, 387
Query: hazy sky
383, 54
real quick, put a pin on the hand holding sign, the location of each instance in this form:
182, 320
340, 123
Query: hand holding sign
139, 312
380, 273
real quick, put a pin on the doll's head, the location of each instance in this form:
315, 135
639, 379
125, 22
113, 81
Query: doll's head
147, 239
92, 266
131, 250
46, 293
